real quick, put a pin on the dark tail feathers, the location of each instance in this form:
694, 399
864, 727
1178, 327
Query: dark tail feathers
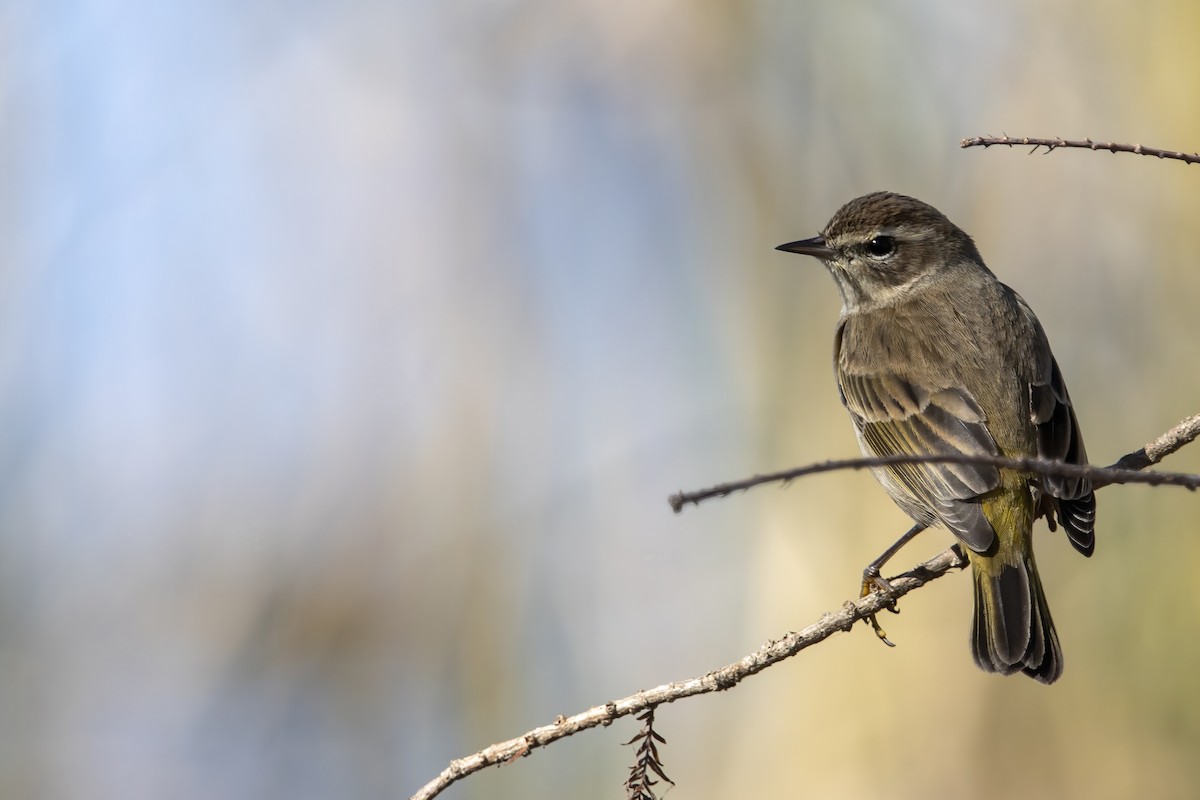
1012, 628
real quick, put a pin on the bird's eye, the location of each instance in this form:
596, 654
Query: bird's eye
881, 247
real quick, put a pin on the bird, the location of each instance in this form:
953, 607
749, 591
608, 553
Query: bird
933, 355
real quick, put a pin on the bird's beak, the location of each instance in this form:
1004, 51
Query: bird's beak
815, 247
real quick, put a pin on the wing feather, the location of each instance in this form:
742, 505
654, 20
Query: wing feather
897, 416
1059, 439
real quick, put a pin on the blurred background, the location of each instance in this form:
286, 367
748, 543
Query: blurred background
349, 352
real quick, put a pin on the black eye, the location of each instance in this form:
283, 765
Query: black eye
881, 246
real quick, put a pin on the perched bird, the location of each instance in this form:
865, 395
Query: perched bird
934, 355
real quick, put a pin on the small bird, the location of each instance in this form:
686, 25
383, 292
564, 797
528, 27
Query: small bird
934, 355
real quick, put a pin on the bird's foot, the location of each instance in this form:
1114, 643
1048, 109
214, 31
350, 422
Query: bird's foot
874, 582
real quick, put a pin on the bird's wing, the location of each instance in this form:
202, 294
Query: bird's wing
1058, 439
896, 416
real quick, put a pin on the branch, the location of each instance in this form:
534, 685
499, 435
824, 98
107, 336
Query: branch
1124, 471
1163, 446
1086, 144
716, 681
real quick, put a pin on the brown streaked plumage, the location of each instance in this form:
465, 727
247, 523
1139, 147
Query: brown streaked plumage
934, 355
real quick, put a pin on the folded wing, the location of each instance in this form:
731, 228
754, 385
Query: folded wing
895, 416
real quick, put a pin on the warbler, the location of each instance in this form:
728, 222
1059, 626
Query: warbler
934, 355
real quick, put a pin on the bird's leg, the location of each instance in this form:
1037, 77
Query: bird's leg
873, 580
871, 575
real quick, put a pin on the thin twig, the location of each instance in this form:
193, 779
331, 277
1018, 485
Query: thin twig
1125, 470
1163, 446
1086, 144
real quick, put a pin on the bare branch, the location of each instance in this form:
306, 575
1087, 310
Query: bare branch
1154, 452
1125, 470
1086, 144
716, 681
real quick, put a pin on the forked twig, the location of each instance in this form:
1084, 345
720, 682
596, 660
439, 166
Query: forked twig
777, 650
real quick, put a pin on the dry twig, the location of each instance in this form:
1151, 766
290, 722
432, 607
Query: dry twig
1126, 470
1086, 144
718, 680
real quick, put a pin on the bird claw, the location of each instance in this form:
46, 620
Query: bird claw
879, 631
874, 582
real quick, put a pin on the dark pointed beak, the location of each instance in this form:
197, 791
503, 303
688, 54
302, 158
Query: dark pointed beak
815, 247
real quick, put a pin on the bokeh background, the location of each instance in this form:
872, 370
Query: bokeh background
349, 352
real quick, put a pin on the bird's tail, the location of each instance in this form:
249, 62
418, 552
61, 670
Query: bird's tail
1012, 628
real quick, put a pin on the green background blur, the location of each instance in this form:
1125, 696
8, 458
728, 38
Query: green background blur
349, 352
